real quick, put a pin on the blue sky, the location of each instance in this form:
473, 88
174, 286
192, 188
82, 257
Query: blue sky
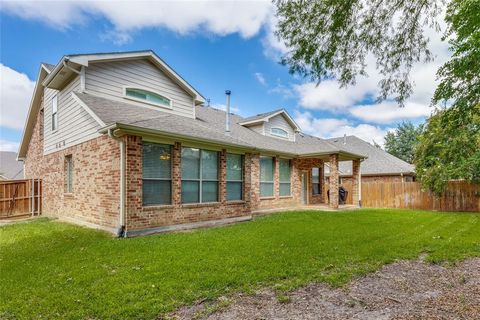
215, 46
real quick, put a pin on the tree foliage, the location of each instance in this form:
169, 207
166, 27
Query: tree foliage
449, 148
460, 76
401, 142
334, 38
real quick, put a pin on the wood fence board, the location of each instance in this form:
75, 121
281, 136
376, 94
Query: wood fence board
16, 197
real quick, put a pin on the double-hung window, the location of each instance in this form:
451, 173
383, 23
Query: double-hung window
157, 174
285, 174
68, 174
266, 176
54, 113
316, 183
199, 175
234, 176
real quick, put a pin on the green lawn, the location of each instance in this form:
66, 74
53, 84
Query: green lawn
50, 269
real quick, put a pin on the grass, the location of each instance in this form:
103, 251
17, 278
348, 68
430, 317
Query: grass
50, 269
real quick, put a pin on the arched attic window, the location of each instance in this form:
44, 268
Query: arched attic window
147, 96
279, 132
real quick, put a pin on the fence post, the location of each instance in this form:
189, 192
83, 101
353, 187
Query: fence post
32, 195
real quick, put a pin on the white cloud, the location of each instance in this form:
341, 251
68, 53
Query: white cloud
388, 112
15, 93
273, 47
217, 17
332, 127
260, 78
6, 145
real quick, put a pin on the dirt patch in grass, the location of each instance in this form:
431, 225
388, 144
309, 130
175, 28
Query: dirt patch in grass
402, 290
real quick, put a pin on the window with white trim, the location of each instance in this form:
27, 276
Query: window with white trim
54, 113
148, 96
316, 182
234, 177
68, 174
285, 177
279, 132
199, 175
267, 171
156, 174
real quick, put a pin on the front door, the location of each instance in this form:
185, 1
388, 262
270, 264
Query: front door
304, 188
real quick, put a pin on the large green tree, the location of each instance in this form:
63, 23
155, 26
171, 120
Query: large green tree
333, 39
401, 142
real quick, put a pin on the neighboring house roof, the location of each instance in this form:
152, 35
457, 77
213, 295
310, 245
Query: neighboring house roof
208, 126
10, 168
379, 162
264, 117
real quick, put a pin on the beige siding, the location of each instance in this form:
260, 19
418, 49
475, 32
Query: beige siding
258, 128
279, 121
75, 125
109, 79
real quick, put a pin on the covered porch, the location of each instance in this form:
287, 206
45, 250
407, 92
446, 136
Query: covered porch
316, 192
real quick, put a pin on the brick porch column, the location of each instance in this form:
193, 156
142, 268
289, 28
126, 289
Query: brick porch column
321, 180
333, 181
254, 180
356, 180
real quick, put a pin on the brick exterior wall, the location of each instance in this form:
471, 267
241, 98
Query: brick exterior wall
95, 196
139, 217
96, 185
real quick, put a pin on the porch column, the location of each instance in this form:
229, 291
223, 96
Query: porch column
356, 180
222, 183
333, 181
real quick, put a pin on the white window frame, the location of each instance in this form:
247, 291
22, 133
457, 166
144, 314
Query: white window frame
242, 158
69, 174
280, 182
278, 134
200, 179
54, 116
125, 96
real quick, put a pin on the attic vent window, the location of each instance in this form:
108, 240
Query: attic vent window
148, 97
279, 132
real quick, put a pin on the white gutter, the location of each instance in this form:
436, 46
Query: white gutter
121, 228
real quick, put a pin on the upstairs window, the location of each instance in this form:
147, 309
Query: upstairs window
148, 97
279, 132
54, 113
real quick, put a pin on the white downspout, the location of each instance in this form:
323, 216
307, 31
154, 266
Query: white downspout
121, 229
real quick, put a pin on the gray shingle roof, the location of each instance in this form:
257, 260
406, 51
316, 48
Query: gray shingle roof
261, 115
379, 162
10, 168
209, 125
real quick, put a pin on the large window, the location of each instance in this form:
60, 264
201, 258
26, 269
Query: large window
285, 181
234, 176
157, 174
68, 174
54, 113
266, 176
199, 175
148, 96
316, 182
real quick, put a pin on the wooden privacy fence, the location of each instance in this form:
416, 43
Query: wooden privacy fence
459, 196
20, 198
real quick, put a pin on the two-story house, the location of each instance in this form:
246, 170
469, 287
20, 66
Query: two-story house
124, 143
